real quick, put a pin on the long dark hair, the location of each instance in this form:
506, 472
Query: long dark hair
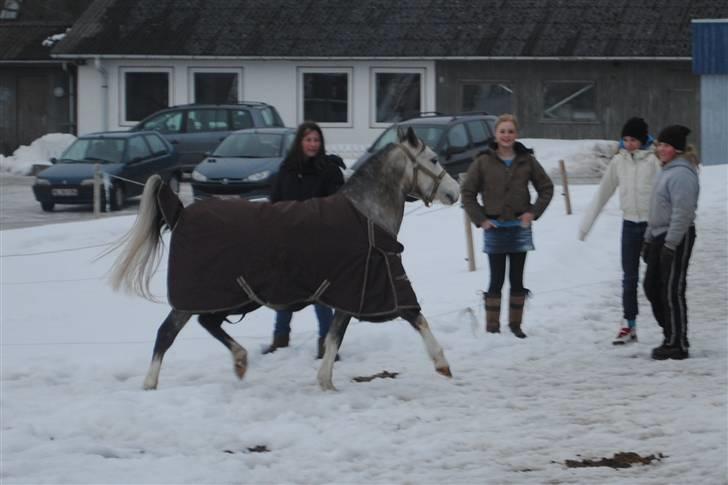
295, 156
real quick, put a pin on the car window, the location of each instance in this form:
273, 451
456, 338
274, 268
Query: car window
457, 137
389, 136
157, 145
431, 135
242, 119
250, 145
288, 142
138, 148
207, 120
269, 117
95, 150
478, 132
170, 122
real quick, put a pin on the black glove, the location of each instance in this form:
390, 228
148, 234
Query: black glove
645, 251
667, 256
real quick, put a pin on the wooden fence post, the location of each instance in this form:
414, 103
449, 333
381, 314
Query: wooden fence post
97, 190
565, 184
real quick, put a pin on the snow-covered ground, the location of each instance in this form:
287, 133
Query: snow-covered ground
74, 356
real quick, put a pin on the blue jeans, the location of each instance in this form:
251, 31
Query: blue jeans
324, 314
632, 236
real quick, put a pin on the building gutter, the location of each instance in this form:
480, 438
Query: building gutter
104, 92
377, 58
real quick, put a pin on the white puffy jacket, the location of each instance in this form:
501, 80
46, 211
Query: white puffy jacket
634, 173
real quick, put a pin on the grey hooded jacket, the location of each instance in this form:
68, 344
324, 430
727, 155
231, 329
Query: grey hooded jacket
673, 202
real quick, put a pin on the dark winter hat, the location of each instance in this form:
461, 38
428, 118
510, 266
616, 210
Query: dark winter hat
636, 128
674, 135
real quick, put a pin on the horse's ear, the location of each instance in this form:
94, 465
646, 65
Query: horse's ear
401, 135
412, 137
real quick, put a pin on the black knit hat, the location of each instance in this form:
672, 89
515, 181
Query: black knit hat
636, 128
674, 135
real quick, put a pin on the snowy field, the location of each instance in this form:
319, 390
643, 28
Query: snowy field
74, 356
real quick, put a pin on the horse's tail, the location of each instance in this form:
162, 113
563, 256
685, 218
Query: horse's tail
141, 248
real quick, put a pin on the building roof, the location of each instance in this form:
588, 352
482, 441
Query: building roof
21, 38
436, 29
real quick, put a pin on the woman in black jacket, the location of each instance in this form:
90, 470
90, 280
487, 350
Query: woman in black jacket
306, 172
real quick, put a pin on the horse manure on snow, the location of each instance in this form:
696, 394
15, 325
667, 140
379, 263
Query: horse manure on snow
619, 460
382, 375
252, 449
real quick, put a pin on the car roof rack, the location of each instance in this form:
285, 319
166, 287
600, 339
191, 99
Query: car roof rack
239, 103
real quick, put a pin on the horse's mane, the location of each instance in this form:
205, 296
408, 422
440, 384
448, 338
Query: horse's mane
368, 169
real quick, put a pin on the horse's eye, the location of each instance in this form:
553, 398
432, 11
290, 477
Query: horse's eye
434, 160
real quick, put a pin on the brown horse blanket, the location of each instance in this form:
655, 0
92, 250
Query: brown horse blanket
234, 256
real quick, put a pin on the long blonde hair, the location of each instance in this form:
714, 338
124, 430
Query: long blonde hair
691, 155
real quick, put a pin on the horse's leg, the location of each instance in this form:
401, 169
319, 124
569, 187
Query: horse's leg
418, 321
333, 341
213, 324
165, 337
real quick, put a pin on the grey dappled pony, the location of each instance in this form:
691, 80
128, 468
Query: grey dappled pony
378, 190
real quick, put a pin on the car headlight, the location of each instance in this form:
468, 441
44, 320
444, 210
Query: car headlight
39, 181
258, 176
197, 176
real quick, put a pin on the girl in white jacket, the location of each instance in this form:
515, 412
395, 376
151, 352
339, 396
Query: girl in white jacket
633, 169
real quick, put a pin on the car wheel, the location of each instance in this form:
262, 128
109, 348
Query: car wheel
173, 183
47, 206
117, 197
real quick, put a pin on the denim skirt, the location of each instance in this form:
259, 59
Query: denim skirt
511, 239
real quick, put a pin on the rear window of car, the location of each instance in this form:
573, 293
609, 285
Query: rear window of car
478, 132
269, 117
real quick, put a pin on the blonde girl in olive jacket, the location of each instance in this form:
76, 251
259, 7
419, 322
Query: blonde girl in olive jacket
501, 176
633, 170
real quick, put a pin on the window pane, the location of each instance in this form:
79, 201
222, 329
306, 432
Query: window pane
492, 98
478, 132
138, 148
156, 144
207, 120
216, 87
326, 97
146, 92
165, 123
397, 96
242, 119
457, 137
569, 101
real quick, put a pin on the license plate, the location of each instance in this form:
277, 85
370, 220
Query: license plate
64, 192
227, 196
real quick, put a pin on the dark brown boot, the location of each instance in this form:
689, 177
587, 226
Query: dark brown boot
279, 341
492, 312
515, 313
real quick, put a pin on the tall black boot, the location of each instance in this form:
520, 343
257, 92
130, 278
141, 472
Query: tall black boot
279, 341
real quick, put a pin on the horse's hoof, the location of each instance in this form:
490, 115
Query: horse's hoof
240, 368
327, 386
149, 386
444, 371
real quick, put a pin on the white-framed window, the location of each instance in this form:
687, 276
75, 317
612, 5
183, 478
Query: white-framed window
325, 95
396, 94
492, 97
144, 90
569, 101
215, 85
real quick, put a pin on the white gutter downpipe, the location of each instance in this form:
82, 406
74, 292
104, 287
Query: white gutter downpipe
104, 93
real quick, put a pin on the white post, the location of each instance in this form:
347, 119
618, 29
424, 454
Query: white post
468, 235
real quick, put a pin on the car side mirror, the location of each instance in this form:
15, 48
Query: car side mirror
54, 160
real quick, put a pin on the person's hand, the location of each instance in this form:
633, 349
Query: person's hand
667, 256
526, 219
645, 251
486, 224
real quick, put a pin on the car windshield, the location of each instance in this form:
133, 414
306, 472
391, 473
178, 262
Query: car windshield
429, 134
250, 145
93, 150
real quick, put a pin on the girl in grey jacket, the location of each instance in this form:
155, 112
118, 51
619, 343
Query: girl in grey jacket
633, 169
669, 240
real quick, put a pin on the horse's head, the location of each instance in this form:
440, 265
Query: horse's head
428, 181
